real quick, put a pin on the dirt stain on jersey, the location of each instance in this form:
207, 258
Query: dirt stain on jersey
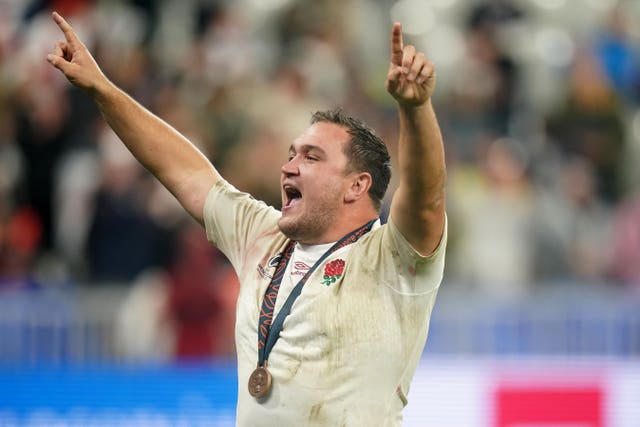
314, 413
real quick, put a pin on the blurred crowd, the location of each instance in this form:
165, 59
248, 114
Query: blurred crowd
539, 104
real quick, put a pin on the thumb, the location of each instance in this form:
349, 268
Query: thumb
59, 62
393, 79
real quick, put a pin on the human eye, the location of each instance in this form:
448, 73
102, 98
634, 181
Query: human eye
312, 155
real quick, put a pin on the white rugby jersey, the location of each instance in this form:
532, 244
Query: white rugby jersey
349, 347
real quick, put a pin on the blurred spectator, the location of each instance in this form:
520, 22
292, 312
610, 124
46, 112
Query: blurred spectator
201, 298
491, 211
123, 239
77, 182
485, 25
618, 55
41, 117
11, 165
141, 330
185, 311
484, 95
626, 242
572, 227
20, 235
590, 124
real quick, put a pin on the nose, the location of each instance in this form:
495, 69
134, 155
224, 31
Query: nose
291, 167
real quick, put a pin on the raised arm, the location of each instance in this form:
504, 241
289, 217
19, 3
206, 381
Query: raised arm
168, 155
418, 206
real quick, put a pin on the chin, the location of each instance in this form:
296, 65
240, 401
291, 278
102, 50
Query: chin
304, 226
288, 227
297, 230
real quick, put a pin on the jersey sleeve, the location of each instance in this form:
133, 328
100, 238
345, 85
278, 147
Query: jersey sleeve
234, 220
400, 266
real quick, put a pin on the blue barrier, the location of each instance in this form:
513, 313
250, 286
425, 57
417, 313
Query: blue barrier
181, 394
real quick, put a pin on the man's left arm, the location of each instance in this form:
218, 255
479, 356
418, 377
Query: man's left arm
418, 206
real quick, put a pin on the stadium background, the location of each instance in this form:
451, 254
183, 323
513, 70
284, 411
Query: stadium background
115, 311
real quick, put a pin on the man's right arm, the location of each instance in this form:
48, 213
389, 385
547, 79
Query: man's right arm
168, 155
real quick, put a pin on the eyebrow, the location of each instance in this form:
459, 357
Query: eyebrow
306, 148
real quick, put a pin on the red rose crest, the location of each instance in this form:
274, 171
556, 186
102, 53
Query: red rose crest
333, 271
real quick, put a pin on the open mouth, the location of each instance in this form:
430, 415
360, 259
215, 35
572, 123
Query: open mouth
293, 195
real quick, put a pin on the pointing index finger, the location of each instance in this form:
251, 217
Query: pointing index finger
396, 44
69, 34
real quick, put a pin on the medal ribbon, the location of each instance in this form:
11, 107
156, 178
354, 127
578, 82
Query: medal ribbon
269, 329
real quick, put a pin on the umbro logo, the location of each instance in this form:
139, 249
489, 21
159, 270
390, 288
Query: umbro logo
299, 265
300, 268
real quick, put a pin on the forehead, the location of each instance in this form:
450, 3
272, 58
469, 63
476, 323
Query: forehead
329, 137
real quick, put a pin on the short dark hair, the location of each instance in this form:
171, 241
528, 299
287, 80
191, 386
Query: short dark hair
366, 152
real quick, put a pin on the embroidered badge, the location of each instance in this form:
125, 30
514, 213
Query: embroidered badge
265, 270
333, 271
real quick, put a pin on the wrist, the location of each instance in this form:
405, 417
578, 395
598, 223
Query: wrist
415, 108
101, 91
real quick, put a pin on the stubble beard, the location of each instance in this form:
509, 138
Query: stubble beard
308, 227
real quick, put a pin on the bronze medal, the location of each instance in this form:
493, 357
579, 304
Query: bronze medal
260, 382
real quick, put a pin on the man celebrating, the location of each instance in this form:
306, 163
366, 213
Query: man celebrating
334, 308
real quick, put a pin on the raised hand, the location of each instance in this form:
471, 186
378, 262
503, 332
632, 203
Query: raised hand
411, 78
72, 57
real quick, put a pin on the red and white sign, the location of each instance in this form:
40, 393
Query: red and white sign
535, 392
551, 406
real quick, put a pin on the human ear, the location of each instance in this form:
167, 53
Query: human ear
359, 187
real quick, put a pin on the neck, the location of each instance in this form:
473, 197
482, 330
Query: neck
338, 230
